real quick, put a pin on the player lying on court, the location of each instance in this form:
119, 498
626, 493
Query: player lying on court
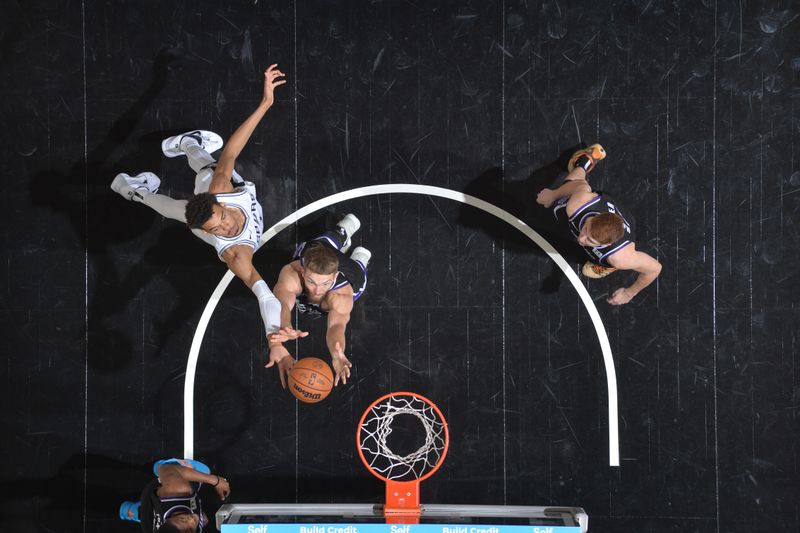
224, 211
322, 280
171, 502
598, 224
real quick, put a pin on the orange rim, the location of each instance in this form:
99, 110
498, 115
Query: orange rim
435, 410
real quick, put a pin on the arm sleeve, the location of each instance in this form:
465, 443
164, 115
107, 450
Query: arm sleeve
269, 306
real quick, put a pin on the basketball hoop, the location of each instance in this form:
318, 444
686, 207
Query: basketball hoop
402, 471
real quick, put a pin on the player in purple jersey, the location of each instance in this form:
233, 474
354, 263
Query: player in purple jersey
596, 222
322, 281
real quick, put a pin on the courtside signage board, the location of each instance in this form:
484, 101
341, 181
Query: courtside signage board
393, 528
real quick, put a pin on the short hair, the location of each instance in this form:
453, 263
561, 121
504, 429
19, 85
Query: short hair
320, 259
199, 209
607, 228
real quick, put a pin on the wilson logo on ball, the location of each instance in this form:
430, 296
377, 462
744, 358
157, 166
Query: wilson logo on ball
308, 395
310, 380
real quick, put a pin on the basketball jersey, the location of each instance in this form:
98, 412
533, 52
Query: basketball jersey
307, 308
243, 198
598, 205
350, 272
155, 510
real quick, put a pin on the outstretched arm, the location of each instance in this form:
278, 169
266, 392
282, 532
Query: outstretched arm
240, 260
287, 288
221, 181
575, 182
630, 259
338, 317
175, 481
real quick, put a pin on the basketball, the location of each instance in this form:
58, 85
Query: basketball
311, 380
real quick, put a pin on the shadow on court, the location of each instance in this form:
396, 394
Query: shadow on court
57, 503
178, 268
101, 220
518, 197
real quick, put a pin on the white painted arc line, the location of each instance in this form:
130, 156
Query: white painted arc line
410, 188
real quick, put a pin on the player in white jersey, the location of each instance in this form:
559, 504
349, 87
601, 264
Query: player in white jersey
224, 211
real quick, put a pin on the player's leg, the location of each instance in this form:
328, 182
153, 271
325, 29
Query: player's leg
586, 159
361, 256
341, 236
135, 188
199, 158
580, 164
142, 189
197, 146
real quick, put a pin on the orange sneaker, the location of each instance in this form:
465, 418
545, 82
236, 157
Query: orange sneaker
595, 271
595, 153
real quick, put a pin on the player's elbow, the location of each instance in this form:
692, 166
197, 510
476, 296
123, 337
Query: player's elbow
655, 269
236, 263
242, 266
284, 296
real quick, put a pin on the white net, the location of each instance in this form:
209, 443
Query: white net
376, 430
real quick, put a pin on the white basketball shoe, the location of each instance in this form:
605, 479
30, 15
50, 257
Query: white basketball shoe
348, 227
208, 141
361, 255
133, 188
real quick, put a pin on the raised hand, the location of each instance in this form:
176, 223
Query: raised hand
341, 365
271, 81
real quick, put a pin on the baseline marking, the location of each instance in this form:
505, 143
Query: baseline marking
409, 188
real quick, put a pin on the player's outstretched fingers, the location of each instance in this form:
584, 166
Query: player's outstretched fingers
341, 365
284, 367
285, 334
272, 73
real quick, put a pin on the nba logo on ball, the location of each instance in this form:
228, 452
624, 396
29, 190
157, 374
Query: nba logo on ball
311, 380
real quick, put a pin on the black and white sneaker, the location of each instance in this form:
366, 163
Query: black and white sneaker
347, 227
208, 141
361, 255
133, 188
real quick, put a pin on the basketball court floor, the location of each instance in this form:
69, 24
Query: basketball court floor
436, 123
